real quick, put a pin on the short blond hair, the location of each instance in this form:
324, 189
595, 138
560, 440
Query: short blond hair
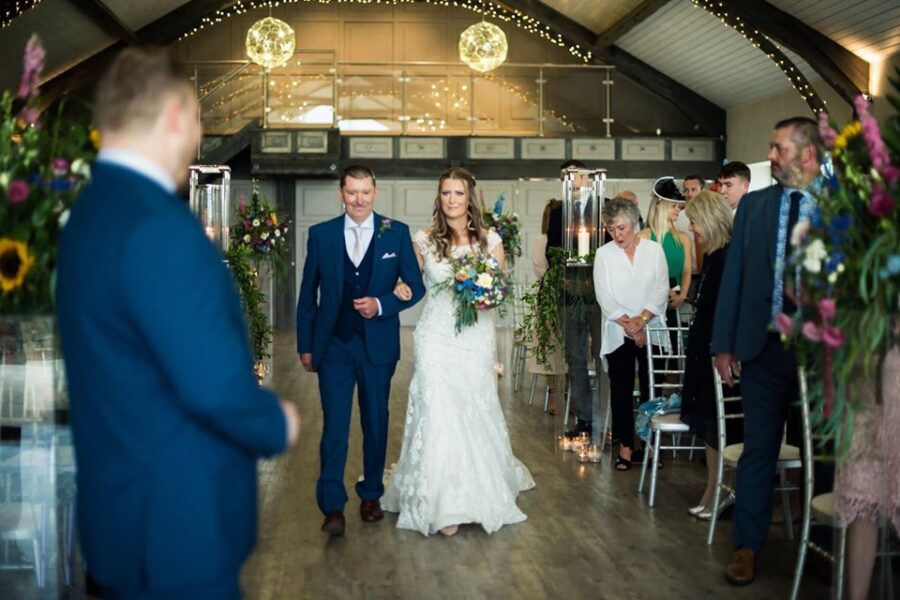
131, 93
711, 212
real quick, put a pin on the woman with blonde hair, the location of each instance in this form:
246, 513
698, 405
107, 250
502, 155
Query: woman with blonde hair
711, 221
665, 206
456, 464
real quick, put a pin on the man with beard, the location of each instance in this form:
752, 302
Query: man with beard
745, 340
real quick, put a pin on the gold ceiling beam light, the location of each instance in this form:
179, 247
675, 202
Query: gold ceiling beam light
483, 47
270, 42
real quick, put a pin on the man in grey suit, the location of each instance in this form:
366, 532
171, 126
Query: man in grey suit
745, 340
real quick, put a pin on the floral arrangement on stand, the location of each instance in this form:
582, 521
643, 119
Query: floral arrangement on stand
258, 237
478, 284
44, 162
847, 264
509, 227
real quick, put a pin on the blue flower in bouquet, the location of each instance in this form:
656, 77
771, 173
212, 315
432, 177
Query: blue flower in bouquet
478, 284
498, 205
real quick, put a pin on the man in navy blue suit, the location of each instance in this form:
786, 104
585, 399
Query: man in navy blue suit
745, 340
348, 330
167, 418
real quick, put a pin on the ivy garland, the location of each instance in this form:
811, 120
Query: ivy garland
252, 298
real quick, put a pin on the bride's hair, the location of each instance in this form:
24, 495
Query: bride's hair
441, 234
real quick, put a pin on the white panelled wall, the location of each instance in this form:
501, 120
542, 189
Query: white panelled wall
411, 201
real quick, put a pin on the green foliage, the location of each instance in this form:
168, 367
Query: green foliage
245, 277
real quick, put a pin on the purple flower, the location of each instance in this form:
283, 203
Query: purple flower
32, 66
877, 151
29, 115
832, 336
18, 191
827, 308
784, 323
881, 202
59, 166
812, 332
826, 131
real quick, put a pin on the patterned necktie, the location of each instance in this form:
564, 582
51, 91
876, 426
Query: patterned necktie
788, 216
356, 256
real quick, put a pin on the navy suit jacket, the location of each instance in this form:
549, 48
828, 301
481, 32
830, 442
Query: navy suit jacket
166, 415
323, 285
744, 307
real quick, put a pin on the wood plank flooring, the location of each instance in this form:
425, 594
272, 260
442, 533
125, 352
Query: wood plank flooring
588, 534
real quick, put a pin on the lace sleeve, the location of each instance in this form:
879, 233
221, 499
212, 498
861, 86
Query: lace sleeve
493, 238
422, 242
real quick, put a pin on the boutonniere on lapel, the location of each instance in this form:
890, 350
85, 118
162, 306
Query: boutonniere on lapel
385, 226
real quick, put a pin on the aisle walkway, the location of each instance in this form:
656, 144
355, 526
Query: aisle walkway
588, 533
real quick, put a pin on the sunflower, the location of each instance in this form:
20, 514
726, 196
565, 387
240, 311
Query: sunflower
14, 263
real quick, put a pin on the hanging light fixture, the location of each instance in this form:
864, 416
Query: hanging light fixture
483, 46
270, 42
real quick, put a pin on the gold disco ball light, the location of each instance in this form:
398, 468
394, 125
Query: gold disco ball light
483, 46
270, 42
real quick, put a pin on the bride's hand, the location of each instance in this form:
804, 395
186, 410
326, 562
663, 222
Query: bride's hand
403, 291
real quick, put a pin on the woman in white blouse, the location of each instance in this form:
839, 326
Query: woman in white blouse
631, 279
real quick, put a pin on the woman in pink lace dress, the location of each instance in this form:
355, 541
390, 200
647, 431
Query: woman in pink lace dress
867, 487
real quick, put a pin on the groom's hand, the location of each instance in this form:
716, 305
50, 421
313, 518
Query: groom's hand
306, 361
367, 307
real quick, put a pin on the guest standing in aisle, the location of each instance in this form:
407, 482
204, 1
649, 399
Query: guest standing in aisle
745, 340
167, 417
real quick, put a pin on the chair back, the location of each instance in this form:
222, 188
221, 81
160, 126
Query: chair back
664, 359
722, 412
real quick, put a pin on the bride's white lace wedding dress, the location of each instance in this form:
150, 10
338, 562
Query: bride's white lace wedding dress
456, 464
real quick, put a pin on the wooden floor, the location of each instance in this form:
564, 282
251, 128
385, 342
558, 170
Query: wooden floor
588, 534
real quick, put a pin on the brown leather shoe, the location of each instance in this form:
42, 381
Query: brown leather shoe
334, 524
742, 568
370, 511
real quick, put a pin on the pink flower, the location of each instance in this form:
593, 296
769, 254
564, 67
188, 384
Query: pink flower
59, 166
832, 337
18, 191
881, 202
29, 115
827, 308
826, 131
812, 332
32, 66
784, 323
877, 151
891, 174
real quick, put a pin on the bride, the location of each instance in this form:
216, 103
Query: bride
456, 465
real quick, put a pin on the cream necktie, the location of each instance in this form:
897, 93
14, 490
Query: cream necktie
356, 257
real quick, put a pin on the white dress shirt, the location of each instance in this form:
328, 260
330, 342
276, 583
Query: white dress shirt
367, 232
626, 288
139, 164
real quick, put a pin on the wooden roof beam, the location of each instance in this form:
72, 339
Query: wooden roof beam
635, 17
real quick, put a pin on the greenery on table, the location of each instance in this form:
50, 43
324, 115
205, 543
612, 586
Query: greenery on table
252, 299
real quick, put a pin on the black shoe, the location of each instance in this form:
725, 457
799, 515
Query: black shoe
580, 427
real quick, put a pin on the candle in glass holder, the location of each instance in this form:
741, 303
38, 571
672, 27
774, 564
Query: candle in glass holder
583, 455
565, 443
584, 243
593, 453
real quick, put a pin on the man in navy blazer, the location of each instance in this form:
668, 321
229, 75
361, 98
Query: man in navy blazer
746, 342
166, 415
348, 330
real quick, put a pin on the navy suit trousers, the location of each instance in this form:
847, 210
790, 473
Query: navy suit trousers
769, 389
345, 366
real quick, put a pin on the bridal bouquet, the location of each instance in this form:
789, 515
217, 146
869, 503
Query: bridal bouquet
508, 227
847, 265
478, 283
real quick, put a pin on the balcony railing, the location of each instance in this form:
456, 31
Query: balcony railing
315, 90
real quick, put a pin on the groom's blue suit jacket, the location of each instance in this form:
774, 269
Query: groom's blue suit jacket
323, 285
167, 418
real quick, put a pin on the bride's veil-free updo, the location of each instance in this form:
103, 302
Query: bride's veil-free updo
441, 235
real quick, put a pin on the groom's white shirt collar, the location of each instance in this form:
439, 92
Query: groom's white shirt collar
139, 164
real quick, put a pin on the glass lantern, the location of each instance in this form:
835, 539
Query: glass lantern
582, 193
210, 201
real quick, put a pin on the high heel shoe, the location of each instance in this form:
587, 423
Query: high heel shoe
696, 510
450, 530
706, 515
